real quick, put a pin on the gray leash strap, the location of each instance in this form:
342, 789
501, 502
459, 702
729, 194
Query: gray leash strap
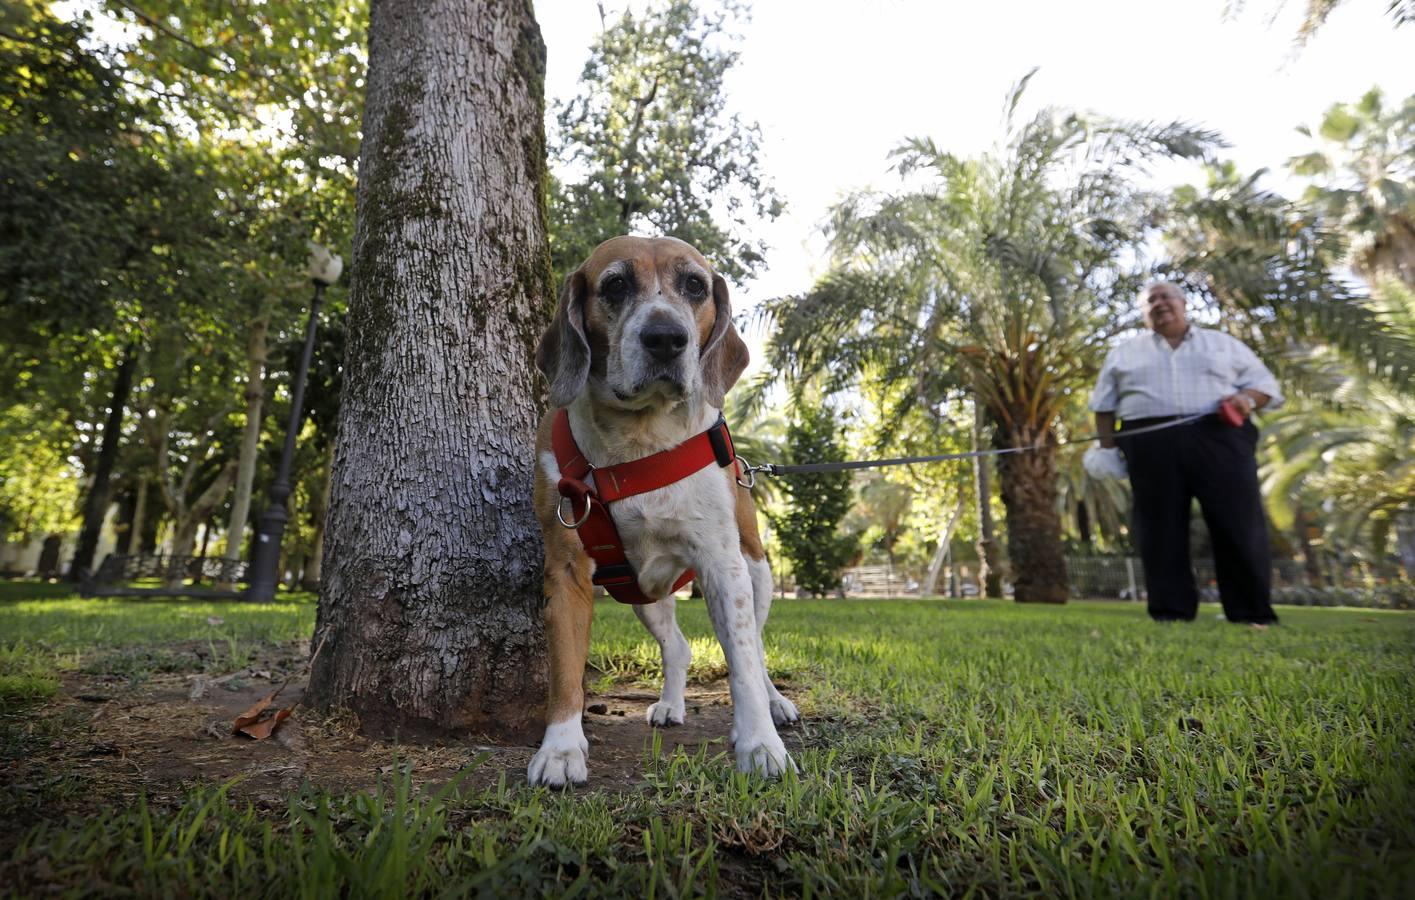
816, 468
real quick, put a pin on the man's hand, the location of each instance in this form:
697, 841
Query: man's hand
1247, 401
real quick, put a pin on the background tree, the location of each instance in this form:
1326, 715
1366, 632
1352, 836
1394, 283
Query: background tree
1364, 183
431, 600
1000, 278
809, 529
649, 145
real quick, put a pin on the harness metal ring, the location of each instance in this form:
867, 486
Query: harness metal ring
589, 501
750, 471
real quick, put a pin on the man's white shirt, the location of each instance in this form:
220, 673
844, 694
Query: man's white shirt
1145, 377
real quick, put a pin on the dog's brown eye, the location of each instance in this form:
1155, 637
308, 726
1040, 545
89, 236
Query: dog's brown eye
693, 286
615, 288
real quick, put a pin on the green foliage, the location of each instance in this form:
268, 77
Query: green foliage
815, 505
1364, 183
650, 147
39, 487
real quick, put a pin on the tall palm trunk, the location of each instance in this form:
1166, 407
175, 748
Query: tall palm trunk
1028, 484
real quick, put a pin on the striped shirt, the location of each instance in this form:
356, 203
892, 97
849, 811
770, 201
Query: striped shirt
1145, 377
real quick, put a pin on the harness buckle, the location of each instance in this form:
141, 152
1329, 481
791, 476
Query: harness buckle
721, 443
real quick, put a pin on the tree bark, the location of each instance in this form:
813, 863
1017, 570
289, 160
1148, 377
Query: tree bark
1028, 484
431, 597
989, 566
96, 504
250, 438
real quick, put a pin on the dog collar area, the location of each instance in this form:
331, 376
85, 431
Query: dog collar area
589, 506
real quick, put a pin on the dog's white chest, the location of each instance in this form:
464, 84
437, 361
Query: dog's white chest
665, 530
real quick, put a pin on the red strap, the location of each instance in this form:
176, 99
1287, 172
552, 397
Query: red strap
597, 532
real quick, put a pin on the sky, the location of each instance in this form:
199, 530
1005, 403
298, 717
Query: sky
837, 84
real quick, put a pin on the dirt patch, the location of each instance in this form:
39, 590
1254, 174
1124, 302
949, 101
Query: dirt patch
162, 732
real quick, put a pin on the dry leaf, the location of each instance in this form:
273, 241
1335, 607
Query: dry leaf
198, 689
265, 727
254, 712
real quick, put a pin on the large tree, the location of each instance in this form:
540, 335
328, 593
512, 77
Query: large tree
650, 146
430, 606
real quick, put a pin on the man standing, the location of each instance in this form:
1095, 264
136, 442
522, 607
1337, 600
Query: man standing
1177, 371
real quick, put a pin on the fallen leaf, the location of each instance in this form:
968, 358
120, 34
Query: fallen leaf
254, 712
199, 685
265, 727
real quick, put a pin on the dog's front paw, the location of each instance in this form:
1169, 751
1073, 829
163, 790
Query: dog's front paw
664, 713
767, 757
783, 711
561, 759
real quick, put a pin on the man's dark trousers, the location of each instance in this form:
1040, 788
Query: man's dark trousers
1213, 461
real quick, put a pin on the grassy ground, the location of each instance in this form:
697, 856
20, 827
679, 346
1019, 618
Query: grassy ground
970, 747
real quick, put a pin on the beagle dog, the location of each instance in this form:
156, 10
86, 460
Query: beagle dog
640, 353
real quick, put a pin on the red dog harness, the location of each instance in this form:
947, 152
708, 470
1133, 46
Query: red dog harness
589, 506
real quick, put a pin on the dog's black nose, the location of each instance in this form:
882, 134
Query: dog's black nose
663, 340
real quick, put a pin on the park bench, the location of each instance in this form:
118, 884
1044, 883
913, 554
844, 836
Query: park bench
176, 576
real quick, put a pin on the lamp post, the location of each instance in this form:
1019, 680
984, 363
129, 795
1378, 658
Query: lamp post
324, 268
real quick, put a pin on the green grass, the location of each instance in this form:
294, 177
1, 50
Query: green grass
950, 748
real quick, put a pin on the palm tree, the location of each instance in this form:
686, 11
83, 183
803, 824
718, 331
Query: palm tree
1366, 183
1267, 268
995, 280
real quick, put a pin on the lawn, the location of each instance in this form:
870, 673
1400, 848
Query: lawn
964, 747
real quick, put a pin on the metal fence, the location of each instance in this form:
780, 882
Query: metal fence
1116, 577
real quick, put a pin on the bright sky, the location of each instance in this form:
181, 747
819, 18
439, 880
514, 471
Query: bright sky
837, 84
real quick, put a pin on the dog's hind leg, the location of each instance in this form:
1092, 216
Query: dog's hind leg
783, 711
662, 622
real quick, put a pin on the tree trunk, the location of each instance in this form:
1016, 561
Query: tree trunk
313, 568
1083, 523
1312, 564
250, 439
139, 522
431, 597
1405, 540
185, 521
989, 566
1028, 483
96, 504
941, 554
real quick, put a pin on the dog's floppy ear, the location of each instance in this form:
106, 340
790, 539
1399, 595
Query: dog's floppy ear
725, 355
564, 353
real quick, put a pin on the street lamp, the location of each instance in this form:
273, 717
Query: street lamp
323, 269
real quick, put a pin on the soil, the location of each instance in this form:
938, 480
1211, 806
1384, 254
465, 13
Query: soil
160, 734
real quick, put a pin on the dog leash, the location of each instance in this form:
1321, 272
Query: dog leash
750, 471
